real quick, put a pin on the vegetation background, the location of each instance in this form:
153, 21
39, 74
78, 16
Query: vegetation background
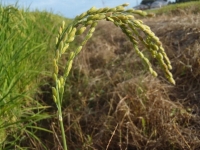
177, 1
111, 101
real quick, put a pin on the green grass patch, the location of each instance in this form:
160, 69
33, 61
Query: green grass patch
188, 7
27, 39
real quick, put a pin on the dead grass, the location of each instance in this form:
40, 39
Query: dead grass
180, 36
113, 103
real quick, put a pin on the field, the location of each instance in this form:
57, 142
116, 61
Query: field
111, 101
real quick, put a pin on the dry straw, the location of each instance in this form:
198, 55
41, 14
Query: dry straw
121, 17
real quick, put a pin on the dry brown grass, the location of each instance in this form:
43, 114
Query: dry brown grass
113, 103
180, 36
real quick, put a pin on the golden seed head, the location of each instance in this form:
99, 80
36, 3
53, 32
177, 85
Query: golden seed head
133, 40
122, 17
55, 99
54, 77
58, 83
92, 10
102, 16
153, 72
82, 15
154, 47
170, 66
56, 69
172, 81
71, 35
89, 22
129, 31
160, 56
96, 17
71, 39
89, 35
92, 29
84, 42
60, 47
54, 91
93, 17
61, 81
71, 56
94, 24
65, 36
105, 9
81, 30
79, 49
140, 12
130, 16
110, 19
154, 53
55, 66
140, 54
112, 10
90, 17
61, 90
69, 67
65, 48
100, 10
146, 60
119, 8
57, 54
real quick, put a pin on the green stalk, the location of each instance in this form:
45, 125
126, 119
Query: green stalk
60, 117
62, 128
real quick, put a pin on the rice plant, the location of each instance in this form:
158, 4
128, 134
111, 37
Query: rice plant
136, 31
23, 63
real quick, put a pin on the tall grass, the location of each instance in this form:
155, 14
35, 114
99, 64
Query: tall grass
24, 59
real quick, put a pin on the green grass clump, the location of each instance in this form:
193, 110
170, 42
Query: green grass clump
24, 59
